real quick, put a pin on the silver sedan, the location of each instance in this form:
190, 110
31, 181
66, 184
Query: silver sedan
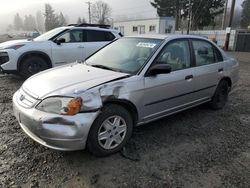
130, 82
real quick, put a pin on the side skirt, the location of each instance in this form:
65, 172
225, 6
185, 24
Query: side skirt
173, 111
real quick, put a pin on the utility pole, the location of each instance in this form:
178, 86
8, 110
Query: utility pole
230, 25
89, 4
189, 16
224, 15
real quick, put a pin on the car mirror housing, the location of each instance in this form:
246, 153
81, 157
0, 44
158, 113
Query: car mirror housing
161, 68
60, 40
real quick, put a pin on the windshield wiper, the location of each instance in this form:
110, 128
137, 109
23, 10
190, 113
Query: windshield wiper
104, 67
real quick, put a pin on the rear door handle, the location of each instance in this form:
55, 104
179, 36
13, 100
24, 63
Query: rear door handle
220, 70
189, 77
80, 46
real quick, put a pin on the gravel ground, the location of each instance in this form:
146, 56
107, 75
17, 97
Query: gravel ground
195, 148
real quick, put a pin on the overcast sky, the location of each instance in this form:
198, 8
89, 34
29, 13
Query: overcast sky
74, 8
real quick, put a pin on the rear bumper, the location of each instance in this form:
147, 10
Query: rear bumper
58, 132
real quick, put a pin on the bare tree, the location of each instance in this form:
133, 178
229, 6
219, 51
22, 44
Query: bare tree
100, 12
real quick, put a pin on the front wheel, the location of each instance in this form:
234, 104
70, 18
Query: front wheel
110, 131
33, 65
220, 96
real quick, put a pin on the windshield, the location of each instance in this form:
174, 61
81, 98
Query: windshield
48, 35
125, 55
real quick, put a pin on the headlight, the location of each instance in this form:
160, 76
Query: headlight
61, 105
15, 47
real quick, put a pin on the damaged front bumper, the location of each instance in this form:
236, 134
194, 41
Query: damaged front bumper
58, 132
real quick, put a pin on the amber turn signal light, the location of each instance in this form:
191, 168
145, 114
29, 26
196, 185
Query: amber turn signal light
73, 107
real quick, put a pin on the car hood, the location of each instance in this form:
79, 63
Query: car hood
13, 42
68, 80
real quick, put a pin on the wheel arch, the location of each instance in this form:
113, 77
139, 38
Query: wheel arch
33, 53
228, 80
128, 105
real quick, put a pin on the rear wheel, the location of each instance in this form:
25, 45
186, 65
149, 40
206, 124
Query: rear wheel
110, 131
33, 65
220, 96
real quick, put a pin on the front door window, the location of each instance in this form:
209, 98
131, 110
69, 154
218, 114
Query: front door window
176, 54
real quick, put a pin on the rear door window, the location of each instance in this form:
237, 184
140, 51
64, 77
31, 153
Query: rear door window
218, 55
109, 36
98, 36
205, 53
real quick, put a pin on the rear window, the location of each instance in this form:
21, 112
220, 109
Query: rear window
98, 36
109, 36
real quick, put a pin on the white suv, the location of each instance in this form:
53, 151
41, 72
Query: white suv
56, 47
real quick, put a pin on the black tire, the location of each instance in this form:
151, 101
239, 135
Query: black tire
94, 145
32, 65
220, 96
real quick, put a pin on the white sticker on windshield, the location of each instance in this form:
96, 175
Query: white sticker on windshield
146, 45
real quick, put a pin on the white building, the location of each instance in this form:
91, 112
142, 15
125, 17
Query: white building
141, 26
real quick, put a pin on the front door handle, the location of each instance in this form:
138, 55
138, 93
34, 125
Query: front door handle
80, 46
189, 77
220, 70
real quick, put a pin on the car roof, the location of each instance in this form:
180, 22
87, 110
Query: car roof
92, 28
165, 36
150, 36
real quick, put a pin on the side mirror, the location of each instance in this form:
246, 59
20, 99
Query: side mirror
60, 40
159, 69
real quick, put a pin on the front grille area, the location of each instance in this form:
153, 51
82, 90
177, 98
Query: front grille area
25, 99
3, 57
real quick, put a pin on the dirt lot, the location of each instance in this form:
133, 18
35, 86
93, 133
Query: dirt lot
195, 148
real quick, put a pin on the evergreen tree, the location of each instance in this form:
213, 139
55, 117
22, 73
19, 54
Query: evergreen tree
203, 11
32, 23
26, 24
39, 21
83, 20
79, 21
18, 22
29, 23
165, 7
9, 28
61, 20
245, 17
51, 19
237, 18
170, 8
